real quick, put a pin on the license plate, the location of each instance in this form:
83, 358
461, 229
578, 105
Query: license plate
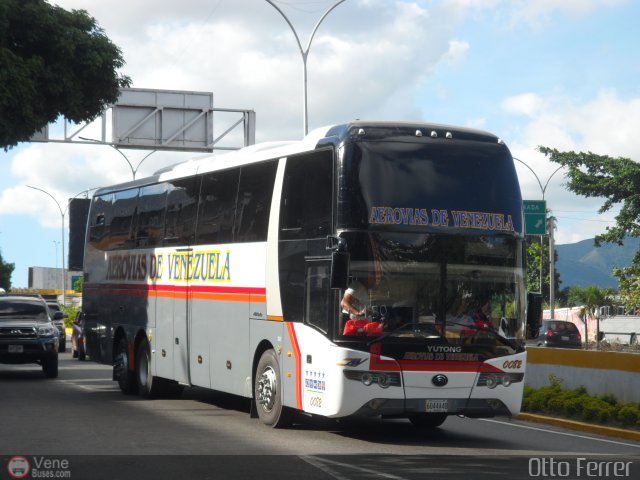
436, 405
16, 348
565, 338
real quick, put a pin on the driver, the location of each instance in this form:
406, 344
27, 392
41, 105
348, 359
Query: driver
354, 300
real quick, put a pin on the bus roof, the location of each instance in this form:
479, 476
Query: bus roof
335, 134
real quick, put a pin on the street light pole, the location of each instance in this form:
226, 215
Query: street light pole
55, 243
305, 54
134, 171
64, 276
551, 226
62, 215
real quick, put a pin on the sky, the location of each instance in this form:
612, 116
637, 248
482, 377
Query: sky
557, 73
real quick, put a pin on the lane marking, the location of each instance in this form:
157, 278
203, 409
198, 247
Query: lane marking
561, 433
320, 463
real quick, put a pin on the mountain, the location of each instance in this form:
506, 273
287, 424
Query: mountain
582, 264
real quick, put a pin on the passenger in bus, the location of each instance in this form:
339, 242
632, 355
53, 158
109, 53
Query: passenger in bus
459, 314
354, 300
355, 306
482, 315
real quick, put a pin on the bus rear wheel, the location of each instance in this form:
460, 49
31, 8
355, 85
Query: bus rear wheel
125, 377
150, 386
428, 420
267, 392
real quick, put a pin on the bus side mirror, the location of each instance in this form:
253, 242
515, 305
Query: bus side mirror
339, 269
534, 314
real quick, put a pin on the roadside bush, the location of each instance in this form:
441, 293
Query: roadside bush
70, 313
577, 403
596, 409
629, 415
538, 399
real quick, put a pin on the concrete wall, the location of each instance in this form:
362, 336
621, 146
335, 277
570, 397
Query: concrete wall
615, 373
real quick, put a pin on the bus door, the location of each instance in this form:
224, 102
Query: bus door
173, 314
181, 318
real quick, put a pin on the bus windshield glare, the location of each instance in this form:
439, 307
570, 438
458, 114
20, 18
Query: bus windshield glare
441, 288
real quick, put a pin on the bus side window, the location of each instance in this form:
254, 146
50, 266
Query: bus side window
217, 207
307, 196
148, 223
180, 216
124, 207
100, 221
254, 202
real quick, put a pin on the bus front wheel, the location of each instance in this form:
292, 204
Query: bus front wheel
428, 420
267, 392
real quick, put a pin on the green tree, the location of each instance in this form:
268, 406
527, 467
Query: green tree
6, 269
629, 283
534, 250
591, 298
52, 62
617, 181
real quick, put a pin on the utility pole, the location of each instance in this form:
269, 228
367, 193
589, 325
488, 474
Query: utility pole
552, 273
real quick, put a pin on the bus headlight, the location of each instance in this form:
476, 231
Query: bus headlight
384, 380
492, 380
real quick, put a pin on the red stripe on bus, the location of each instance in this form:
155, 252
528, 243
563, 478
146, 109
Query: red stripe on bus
296, 353
217, 293
179, 288
426, 365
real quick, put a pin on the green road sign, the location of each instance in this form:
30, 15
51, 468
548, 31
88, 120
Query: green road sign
535, 217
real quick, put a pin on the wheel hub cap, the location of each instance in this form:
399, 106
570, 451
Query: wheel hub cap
266, 391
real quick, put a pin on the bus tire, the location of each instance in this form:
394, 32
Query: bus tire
428, 420
125, 377
149, 386
267, 392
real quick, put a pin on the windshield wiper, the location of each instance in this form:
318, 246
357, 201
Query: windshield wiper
505, 340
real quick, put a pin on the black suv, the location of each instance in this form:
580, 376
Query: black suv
27, 334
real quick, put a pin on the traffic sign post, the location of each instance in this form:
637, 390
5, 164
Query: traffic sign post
535, 217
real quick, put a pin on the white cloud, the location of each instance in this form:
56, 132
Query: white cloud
537, 12
606, 125
533, 13
245, 53
457, 52
525, 104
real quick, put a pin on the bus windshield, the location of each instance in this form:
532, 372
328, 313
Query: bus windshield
418, 186
444, 288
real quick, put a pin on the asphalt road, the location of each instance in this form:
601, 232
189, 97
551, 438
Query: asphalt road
82, 418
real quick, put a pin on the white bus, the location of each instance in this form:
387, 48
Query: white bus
228, 273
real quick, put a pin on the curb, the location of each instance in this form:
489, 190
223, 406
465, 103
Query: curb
581, 426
